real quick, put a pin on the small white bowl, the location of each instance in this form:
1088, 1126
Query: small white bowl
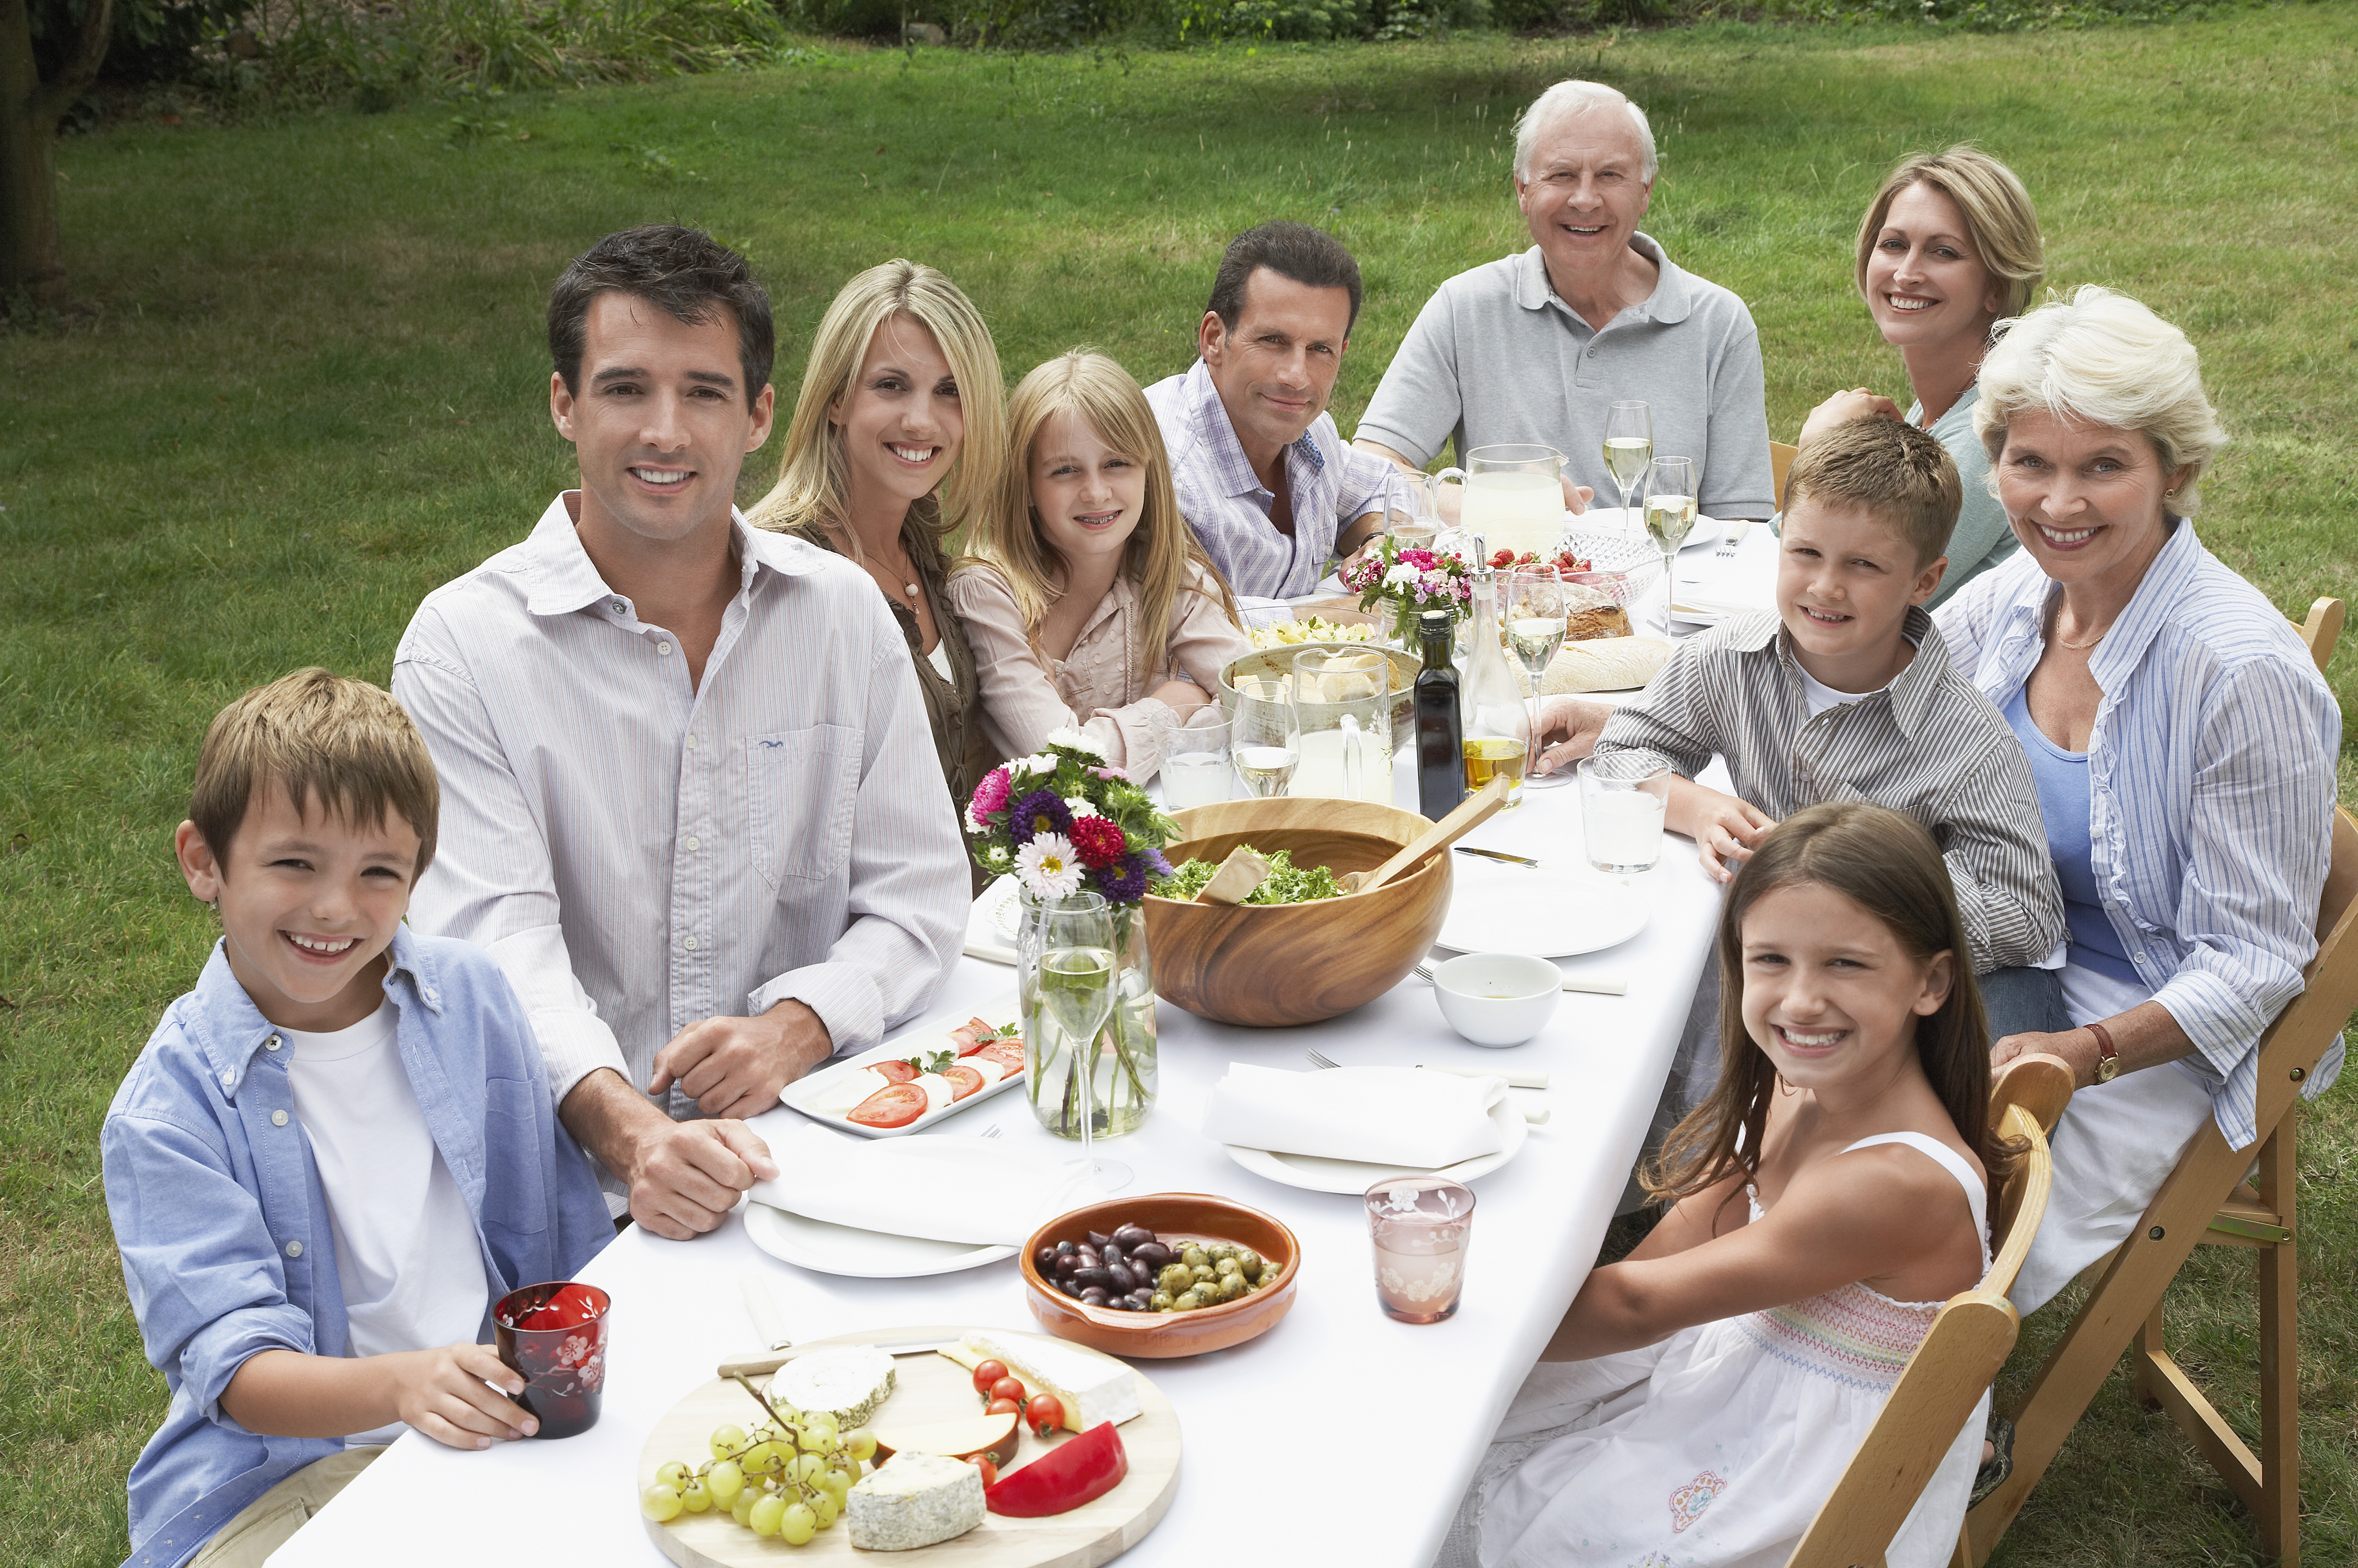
1498, 998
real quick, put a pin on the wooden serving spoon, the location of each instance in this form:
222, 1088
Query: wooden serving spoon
1476, 809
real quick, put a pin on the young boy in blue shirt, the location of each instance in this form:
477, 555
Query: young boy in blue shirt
336, 1153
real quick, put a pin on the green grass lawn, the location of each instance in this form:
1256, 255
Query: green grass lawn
314, 389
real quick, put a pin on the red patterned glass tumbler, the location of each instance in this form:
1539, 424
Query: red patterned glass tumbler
1418, 1225
555, 1335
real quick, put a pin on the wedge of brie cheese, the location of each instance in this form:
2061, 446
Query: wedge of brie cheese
1091, 1388
848, 1384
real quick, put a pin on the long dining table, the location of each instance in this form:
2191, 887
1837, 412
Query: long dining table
1340, 1435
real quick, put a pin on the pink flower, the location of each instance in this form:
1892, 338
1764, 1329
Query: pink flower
1423, 560
1112, 775
574, 1351
594, 1371
1097, 842
991, 794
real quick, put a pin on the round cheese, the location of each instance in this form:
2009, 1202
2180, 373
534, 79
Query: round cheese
918, 1499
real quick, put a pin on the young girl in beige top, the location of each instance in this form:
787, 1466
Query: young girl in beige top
1088, 602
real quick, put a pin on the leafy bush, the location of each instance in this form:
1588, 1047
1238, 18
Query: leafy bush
148, 40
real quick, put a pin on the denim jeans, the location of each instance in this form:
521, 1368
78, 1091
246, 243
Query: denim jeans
2024, 1001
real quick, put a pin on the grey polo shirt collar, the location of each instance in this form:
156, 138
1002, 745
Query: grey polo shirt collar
1672, 301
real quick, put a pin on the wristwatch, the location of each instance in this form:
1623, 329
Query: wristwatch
2108, 1060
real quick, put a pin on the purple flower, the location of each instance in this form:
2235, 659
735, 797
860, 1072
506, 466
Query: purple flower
1155, 864
1125, 883
1042, 811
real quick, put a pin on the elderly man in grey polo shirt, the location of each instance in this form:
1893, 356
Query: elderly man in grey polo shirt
1538, 347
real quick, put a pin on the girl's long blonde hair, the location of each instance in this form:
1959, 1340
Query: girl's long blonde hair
813, 485
1162, 556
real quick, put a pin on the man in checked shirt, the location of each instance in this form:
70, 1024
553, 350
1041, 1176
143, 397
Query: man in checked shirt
690, 798
1846, 695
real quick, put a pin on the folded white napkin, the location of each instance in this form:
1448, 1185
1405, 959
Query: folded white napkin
986, 1191
1387, 1116
990, 922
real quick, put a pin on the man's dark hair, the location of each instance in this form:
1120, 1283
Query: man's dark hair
1309, 256
686, 273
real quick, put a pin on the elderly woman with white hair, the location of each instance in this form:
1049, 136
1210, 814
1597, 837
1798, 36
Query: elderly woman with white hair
1538, 347
2183, 746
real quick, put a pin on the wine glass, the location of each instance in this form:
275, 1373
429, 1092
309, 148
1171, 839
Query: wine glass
1629, 447
1669, 518
1076, 992
1265, 735
1535, 615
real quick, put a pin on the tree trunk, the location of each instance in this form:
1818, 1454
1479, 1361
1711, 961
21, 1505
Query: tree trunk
32, 255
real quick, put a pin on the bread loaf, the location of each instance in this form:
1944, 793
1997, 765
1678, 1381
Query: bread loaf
1621, 664
1591, 613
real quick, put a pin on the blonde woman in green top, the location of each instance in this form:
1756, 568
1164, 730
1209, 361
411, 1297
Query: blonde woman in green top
1949, 247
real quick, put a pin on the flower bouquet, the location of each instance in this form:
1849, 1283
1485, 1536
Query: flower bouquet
1408, 582
1063, 822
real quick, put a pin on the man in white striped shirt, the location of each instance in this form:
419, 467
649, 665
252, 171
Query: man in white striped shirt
686, 771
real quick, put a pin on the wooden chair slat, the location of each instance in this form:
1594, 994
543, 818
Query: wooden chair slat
2320, 631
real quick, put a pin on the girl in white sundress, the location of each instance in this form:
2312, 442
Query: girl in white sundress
1700, 1397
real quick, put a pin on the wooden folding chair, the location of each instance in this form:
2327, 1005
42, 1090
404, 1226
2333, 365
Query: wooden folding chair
1944, 1379
2320, 631
2200, 1201
1780, 463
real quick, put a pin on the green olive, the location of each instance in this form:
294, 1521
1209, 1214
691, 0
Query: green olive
1161, 1301
1204, 1273
1174, 1278
1250, 1263
1195, 1256
1232, 1286
1228, 1266
1186, 1301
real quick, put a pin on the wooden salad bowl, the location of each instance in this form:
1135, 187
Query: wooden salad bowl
1172, 1217
1280, 964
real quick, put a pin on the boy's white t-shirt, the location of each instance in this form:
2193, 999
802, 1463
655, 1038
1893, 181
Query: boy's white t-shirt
1822, 696
406, 1253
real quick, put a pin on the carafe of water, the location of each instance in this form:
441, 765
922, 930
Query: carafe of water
1498, 730
1345, 700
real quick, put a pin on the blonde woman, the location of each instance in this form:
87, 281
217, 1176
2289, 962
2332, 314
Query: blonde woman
894, 445
1090, 604
1949, 246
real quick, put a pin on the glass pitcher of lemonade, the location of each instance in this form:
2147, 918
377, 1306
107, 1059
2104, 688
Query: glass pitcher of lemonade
1345, 699
1514, 497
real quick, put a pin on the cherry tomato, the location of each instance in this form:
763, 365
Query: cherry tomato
987, 1373
1009, 1388
1045, 1413
995, 1406
990, 1471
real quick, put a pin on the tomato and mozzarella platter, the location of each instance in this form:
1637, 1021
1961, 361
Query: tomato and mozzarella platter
912, 1082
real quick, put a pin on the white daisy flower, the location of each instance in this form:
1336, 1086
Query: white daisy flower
1041, 764
1073, 740
1080, 807
1402, 575
1047, 866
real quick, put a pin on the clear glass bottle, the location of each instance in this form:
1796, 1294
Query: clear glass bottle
1497, 723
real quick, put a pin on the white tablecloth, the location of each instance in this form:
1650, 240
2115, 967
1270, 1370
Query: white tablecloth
1338, 1437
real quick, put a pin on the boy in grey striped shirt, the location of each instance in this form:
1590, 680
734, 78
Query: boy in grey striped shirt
1852, 697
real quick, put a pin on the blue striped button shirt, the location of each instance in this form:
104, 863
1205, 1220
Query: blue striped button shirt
640, 853
2210, 784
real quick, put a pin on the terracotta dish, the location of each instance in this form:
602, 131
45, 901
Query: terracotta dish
1280, 964
1174, 1217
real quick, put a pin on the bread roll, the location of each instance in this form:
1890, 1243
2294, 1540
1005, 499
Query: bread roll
1619, 663
1591, 613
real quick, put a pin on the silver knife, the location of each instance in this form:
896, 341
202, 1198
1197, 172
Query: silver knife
768, 1326
1499, 855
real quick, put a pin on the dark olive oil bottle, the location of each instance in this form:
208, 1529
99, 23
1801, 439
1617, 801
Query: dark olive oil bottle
1440, 733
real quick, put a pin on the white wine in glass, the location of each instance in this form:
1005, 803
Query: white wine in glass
1266, 770
1537, 605
1629, 447
1669, 518
1265, 735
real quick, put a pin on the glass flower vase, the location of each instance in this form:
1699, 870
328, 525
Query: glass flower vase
1121, 1061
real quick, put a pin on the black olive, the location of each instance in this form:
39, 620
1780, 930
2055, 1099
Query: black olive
1098, 1239
1046, 1258
1093, 1296
1090, 1257
1154, 1254
1113, 1253
1092, 1279
1064, 1249
1069, 1287
1132, 1236
1124, 1278
1122, 1304
1065, 1262
1142, 1300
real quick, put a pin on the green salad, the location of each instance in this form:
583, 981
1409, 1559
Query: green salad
1287, 883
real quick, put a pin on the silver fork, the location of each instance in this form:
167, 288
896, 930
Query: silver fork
990, 1131
1727, 551
1318, 1061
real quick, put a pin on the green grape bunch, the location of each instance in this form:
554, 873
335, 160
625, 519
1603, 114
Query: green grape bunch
787, 1477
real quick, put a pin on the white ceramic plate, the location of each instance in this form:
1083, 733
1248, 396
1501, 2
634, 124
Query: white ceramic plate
859, 1254
1544, 911
1319, 1174
1612, 520
991, 924
925, 1040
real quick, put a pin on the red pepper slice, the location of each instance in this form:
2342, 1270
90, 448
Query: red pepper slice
894, 1105
1077, 1471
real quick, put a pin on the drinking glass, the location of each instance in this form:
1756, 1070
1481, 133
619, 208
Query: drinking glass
1419, 1225
1621, 800
1535, 616
1628, 448
1414, 508
1265, 735
1669, 518
1195, 768
1514, 497
1076, 982
554, 1337
1343, 703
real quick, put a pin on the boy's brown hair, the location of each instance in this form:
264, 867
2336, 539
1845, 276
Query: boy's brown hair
1899, 475
315, 733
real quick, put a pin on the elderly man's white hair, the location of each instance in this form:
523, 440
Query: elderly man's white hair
2103, 358
1568, 98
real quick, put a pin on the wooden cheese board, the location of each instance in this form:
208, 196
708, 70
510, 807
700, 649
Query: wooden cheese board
927, 1387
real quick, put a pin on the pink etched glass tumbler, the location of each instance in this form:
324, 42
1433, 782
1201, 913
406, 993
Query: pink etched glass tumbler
555, 1336
1419, 1225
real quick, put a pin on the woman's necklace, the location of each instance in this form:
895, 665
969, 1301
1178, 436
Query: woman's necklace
2077, 647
